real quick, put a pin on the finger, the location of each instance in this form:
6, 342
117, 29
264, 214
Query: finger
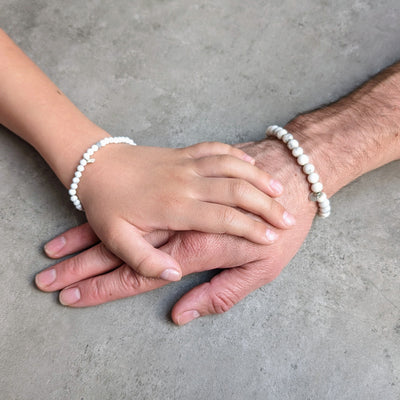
223, 291
94, 261
217, 218
214, 148
232, 167
125, 282
117, 284
73, 240
239, 193
82, 237
124, 240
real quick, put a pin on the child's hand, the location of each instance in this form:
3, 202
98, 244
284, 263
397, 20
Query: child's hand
133, 190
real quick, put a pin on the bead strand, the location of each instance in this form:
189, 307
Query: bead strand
87, 159
317, 195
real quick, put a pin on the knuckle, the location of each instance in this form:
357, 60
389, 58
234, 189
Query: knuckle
221, 302
104, 256
98, 290
240, 188
129, 280
188, 247
76, 266
228, 216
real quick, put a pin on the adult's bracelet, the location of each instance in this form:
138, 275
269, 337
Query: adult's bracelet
88, 159
317, 195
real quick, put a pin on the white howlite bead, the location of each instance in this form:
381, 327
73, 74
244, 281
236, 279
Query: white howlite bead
80, 168
74, 186
287, 137
281, 133
308, 168
72, 192
324, 203
313, 178
90, 152
75, 180
79, 207
324, 215
95, 147
102, 142
317, 187
83, 162
74, 198
325, 210
78, 174
322, 198
76, 202
86, 156
298, 151
292, 144
303, 159
271, 130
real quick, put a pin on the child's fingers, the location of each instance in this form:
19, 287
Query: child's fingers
217, 218
239, 193
127, 243
231, 167
214, 148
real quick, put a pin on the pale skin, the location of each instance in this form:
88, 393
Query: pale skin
347, 139
130, 192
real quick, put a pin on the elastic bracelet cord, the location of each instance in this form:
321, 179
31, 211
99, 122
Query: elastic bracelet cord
317, 195
87, 159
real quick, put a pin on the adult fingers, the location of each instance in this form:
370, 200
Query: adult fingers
73, 240
94, 261
213, 148
223, 291
117, 284
232, 167
239, 193
125, 282
125, 241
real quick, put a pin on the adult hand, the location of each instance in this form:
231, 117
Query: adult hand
85, 279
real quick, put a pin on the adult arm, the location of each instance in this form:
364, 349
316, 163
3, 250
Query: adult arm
344, 140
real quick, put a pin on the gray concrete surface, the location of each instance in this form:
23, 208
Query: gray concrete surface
174, 73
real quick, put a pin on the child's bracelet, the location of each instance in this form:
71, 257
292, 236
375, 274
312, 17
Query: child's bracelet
324, 207
87, 159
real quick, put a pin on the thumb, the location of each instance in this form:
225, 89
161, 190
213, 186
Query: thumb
129, 245
222, 292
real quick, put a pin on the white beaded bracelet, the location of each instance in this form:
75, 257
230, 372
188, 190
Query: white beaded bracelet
87, 159
317, 195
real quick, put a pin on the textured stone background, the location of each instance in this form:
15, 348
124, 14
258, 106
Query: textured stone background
173, 73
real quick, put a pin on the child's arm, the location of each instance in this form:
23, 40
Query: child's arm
132, 190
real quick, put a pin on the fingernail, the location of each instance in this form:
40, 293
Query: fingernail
271, 235
289, 219
54, 246
170, 275
188, 316
45, 278
249, 159
276, 186
70, 296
